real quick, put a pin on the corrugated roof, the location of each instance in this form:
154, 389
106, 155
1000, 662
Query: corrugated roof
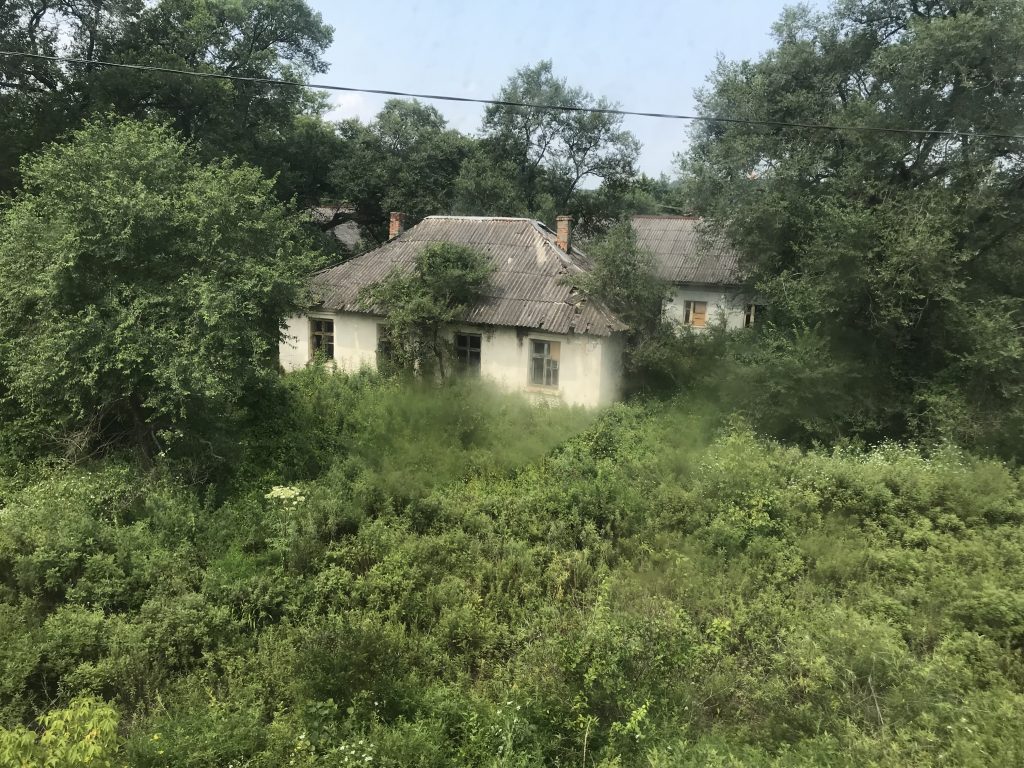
347, 232
527, 290
686, 250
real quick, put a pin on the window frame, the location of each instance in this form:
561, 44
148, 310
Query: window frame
319, 339
550, 360
750, 314
690, 313
464, 352
384, 350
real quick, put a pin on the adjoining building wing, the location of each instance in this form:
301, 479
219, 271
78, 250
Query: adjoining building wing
702, 268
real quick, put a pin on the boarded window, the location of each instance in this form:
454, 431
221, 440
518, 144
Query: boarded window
544, 363
321, 334
467, 352
695, 313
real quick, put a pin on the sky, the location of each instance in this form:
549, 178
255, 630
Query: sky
647, 56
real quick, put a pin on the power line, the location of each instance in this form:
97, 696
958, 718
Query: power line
530, 105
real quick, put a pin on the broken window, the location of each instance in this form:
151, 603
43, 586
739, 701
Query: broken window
467, 352
751, 313
544, 363
387, 351
321, 334
695, 313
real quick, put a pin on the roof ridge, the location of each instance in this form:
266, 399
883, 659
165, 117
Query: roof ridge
534, 289
475, 218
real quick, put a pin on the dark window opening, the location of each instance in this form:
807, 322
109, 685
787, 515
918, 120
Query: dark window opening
322, 338
751, 314
467, 352
387, 351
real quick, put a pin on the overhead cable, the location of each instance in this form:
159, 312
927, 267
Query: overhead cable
525, 104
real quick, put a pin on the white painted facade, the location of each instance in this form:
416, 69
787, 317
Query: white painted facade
589, 367
355, 340
722, 305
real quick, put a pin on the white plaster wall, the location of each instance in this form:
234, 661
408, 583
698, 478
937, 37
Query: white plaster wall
590, 367
355, 340
721, 304
612, 370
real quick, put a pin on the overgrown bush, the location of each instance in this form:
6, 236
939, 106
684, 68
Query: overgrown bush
445, 576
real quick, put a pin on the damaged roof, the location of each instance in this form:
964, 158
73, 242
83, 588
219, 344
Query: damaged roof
527, 290
686, 250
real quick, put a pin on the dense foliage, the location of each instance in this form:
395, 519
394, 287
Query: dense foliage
266, 125
407, 160
525, 161
420, 304
894, 255
448, 577
534, 160
124, 261
206, 564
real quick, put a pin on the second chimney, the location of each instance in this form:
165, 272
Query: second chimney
397, 225
563, 232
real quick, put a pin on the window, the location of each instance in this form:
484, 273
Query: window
751, 313
467, 352
695, 313
322, 337
387, 353
544, 363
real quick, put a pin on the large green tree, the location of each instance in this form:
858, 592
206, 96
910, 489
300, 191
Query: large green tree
407, 160
419, 304
549, 154
142, 291
896, 251
257, 122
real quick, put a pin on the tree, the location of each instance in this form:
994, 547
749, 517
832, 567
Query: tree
406, 160
552, 153
256, 122
143, 291
623, 278
900, 250
445, 280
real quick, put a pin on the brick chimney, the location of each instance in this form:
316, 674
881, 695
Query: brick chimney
397, 225
563, 232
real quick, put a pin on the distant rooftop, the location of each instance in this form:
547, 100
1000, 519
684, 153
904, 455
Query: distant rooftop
347, 232
687, 251
527, 290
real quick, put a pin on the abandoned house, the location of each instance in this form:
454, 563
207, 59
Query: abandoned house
531, 331
702, 269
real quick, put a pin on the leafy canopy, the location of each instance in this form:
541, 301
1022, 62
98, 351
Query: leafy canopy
623, 277
260, 123
418, 305
83, 733
143, 290
406, 160
547, 154
899, 251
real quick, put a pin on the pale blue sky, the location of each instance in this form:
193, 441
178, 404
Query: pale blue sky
648, 56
